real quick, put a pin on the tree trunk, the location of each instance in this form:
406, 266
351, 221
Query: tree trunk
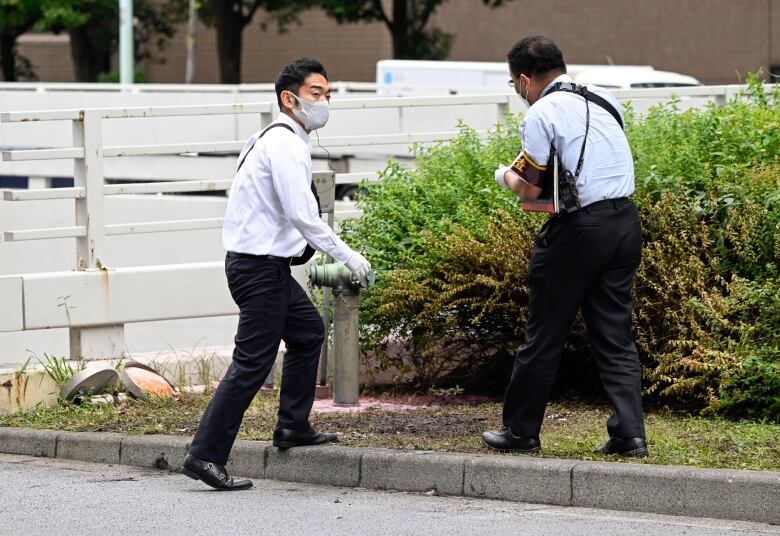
399, 30
7, 56
89, 59
230, 25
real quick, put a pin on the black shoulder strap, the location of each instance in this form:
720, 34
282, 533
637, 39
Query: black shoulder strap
288, 127
309, 251
592, 97
274, 125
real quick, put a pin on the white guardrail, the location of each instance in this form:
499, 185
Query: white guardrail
338, 88
89, 152
95, 301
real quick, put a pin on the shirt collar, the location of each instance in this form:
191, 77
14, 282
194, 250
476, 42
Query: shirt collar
560, 78
299, 130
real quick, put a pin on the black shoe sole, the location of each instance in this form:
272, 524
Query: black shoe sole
522, 451
195, 476
636, 453
282, 444
189, 473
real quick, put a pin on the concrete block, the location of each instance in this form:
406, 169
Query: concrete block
26, 390
413, 471
12, 298
687, 491
515, 478
247, 459
728, 494
629, 486
97, 447
334, 466
156, 451
28, 442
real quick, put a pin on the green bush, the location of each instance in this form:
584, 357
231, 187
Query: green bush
451, 248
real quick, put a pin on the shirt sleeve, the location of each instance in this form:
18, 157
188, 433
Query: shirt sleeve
290, 164
537, 137
531, 164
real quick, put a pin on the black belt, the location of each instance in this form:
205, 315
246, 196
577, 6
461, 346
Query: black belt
606, 203
234, 255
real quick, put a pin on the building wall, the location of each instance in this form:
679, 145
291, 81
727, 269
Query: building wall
349, 52
717, 41
49, 55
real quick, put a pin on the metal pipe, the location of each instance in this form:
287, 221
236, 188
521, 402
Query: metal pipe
126, 59
346, 347
192, 24
346, 362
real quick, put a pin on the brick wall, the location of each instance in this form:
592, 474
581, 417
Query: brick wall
348, 52
49, 55
717, 41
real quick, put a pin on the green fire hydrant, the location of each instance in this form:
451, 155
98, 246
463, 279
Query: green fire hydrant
346, 346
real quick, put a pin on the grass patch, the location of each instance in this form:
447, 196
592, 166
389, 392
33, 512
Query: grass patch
571, 429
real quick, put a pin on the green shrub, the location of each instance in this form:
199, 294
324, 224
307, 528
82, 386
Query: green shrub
452, 248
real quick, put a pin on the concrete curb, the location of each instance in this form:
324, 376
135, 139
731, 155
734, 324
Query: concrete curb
715, 493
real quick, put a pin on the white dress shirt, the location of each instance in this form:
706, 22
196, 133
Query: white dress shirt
271, 210
559, 118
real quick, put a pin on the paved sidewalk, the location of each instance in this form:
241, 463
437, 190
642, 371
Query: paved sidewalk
681, 491
51, 497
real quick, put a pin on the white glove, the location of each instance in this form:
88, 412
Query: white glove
360, 268
500, 172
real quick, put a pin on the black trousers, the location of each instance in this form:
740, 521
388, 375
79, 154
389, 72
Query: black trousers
585, 260
273, 307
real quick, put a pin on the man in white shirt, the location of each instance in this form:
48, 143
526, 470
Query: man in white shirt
273, 222
585, 255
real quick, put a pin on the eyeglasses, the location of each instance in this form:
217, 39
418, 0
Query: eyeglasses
511, 82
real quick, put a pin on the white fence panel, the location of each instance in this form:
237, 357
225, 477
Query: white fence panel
124, 295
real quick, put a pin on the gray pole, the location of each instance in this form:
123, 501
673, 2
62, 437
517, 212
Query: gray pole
126, 60
192, 23
346, 362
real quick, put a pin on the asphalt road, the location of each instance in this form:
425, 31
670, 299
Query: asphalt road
41, 496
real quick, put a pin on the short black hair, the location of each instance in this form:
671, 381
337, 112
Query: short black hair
293, 75
535, 55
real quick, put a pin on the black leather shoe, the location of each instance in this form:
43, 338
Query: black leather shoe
212, 474
285, 438
635, 447
506, 441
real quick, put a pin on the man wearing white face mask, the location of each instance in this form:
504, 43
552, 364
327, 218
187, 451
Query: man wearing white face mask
272, 222
575, 164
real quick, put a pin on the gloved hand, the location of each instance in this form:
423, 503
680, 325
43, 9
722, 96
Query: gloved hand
500, 172
360, 268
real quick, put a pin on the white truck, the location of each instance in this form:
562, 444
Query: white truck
415, 77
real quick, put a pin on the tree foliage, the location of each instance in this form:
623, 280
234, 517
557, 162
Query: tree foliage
93, 28
16, 18
230, 17
407, 21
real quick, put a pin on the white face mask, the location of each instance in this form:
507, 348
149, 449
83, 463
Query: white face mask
520, 94
313, 115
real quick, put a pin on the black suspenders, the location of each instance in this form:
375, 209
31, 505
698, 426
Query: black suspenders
288, 127
308, 253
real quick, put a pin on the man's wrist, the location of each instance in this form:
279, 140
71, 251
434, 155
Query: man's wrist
500, 177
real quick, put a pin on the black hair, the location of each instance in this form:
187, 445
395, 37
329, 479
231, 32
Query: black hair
293, 75
535, 55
